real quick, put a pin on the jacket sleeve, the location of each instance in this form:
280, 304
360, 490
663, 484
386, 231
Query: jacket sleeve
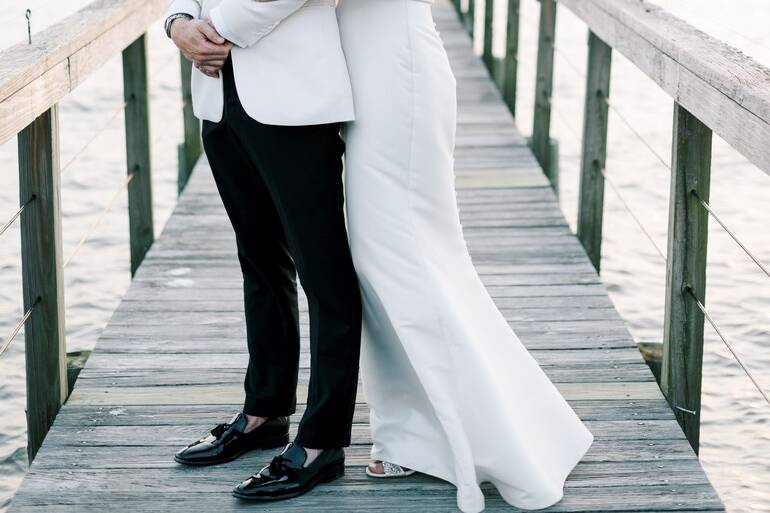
191, 7
245, 22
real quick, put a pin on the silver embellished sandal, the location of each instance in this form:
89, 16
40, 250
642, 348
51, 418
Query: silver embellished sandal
389, 470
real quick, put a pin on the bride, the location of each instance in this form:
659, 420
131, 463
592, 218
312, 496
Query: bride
453, 392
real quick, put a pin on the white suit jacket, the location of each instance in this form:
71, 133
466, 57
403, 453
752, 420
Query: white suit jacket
287, 60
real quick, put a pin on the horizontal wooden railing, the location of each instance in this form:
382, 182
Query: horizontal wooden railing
34, 77
716, 89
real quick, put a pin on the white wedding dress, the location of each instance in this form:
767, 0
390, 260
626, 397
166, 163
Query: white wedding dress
453, 392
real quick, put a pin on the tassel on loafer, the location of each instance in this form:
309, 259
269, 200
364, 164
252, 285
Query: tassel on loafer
227, 442
286, 476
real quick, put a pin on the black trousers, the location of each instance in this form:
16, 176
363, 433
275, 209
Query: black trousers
282, 189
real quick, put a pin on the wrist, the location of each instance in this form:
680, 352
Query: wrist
170, 22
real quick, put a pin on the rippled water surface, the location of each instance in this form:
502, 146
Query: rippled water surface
735, 434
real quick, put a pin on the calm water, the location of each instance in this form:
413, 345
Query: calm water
736, 421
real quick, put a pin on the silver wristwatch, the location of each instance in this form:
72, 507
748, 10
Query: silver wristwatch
171, 19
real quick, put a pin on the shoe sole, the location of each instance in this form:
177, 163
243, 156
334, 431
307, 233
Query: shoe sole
268, 444
336, 472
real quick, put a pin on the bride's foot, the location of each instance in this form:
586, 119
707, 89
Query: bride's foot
377, 468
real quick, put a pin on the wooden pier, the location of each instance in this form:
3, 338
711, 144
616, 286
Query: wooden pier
170, 362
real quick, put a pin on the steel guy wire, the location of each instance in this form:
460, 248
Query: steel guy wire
98, 220
708, 209
18, 328
16, 215
617, 112
94, 136
729, 346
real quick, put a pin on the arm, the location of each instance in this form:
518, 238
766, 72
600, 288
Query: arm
245, 22
196, 38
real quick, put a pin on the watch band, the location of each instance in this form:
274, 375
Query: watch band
171, 19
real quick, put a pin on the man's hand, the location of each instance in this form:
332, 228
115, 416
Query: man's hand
201, 44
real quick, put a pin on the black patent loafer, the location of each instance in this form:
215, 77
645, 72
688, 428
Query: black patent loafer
227, 442
286, 476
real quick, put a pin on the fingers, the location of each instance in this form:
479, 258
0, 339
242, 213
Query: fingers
208, 30
210, 68
209, 71
211, 60
204, 51
206, 48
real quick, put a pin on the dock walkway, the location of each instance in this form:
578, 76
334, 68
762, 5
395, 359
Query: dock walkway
170, 362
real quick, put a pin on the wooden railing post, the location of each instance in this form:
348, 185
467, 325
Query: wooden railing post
489, 17
138, 150
191, 148
470, 18
686, 271
594, 154
43, 289
541, 127
511, 59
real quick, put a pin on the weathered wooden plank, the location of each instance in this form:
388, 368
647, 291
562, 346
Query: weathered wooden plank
409, 498
684, 472
723, 87
222, 394
35, 77
137, 120
489, 17
541, 127
171, 436
42, 275
663, 452
79, 416
511, 59
470, 18
594, 154
686, 271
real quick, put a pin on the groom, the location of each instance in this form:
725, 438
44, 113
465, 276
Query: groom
271, 86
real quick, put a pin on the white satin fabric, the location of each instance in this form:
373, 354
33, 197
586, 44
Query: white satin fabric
288, 64
452, 390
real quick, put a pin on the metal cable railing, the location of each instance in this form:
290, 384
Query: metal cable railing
636, 133
762, 266
614, 187
107, 208
637, 220
616, 111
18, 328
16, 215
95, 136
748, 252
729, 346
